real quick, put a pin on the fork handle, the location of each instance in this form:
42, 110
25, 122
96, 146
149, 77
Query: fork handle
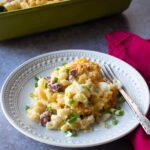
145, 123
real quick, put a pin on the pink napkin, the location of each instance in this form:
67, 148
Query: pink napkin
135, 51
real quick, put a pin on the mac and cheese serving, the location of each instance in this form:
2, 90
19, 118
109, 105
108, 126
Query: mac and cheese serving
73, 97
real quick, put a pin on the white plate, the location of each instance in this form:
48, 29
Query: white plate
16, 89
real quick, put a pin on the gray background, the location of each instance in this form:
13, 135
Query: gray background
91, 36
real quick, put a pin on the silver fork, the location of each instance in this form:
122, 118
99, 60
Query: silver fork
109, 74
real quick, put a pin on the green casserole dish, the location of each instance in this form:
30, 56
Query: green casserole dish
51, 16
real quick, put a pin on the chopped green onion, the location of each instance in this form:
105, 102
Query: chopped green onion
106, 125
36, 78
57, 68
36, 84
49, 109
73, 118
106, 117
71, 133
46, 85
27, 107
114, 121
36, 81
31, 95
121, 99
112, 110
64, 64
55, 79
67, 69
71, 101
119, 112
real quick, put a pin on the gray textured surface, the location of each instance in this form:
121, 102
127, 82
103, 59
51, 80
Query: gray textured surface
85, 36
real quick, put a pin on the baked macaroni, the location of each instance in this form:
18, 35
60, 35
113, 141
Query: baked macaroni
73, 98
9, 5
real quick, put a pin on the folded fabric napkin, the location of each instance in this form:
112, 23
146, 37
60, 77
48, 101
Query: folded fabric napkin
135, 51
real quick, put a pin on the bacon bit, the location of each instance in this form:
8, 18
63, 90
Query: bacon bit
45, 117
55, 87
72, 74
